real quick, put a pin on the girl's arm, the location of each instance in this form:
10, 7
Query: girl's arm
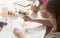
42, 21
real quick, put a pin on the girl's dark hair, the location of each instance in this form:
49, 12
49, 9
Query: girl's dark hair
53, 7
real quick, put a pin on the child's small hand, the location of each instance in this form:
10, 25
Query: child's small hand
27, 18
34, 8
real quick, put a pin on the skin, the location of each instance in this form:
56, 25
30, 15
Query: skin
18, 33
34, 8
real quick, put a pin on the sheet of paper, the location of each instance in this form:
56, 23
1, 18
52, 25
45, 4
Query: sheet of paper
23, 2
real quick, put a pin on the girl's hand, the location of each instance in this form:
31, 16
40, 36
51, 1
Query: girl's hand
27, 18
34, 8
